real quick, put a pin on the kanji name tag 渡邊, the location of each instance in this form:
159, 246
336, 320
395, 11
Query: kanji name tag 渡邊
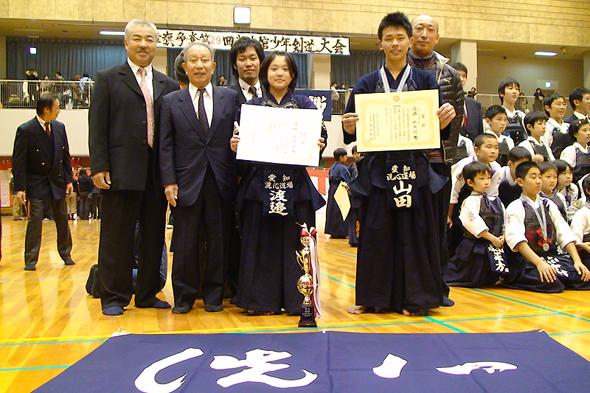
398, 121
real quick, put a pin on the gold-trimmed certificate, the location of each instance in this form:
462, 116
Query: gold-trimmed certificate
397, 121
280, 135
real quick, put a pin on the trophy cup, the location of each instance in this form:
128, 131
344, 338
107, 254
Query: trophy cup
305, 283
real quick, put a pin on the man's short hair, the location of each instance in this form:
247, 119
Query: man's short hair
460, 67
179, 72
523, 168
139, 22
504, 84
534, 117
395, 19
578, 94
46, 100
518, 153
482, 138
493, 110
548, 101
266, 64
195, 43
240, 46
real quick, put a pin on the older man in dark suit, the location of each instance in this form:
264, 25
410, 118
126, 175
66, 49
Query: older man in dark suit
199, 174
42, 172
123, 140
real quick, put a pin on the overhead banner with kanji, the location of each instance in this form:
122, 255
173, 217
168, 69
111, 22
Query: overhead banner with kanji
328, 362
270, 42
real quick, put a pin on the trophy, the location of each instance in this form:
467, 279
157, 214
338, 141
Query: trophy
305, 283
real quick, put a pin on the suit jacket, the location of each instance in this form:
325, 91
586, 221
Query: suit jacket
474, 119
238, 89
185, 150
42, 173
117, 126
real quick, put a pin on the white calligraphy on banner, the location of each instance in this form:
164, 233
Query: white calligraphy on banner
288, 43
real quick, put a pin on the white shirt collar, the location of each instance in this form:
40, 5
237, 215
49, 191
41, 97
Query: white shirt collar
581, 148
42, 122
579, 115
194, 91
534, 141
135, 68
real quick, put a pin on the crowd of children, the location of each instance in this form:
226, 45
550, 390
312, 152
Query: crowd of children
514, 205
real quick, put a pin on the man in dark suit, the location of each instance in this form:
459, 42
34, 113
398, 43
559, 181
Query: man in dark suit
42, 170
246, 55
123, 140
580, 102
473, 117
199, 174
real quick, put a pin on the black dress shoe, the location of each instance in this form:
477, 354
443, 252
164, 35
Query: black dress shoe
69, 262
30, 267
181, 309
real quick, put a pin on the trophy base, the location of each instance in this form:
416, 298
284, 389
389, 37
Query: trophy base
307, 316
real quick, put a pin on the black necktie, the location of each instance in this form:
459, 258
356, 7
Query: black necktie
202, 114
252, 90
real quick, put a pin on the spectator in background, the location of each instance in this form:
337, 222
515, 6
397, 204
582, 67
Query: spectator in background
221, 81
538, 103
472, 92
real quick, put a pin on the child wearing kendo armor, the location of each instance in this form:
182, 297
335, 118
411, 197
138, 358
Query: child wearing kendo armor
534, 230
479, 258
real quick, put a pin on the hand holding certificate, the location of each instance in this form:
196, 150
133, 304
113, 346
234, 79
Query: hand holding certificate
398, 121
279, 135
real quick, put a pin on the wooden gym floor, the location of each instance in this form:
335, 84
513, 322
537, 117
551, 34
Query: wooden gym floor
48, 322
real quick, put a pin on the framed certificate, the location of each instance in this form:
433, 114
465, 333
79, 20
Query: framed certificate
279, 135
397, 121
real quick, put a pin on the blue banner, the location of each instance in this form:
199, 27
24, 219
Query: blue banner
322, 100
328, 362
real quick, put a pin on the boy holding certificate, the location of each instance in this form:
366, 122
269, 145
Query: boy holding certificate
398, 265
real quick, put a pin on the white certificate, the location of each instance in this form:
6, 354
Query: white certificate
279, 135
342, 200
397, 121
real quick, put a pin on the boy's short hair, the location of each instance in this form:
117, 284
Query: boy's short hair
471, 170
561, 166
395, 19
339, 153
586, 186
547, 101
460, 67
575, 127
504, 84
493, 110
518, 153
523, 168
354, 149
533, 117
547, 166
482, 138
578, 94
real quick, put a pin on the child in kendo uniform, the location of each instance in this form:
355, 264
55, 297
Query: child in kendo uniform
497, 120
534, 230
578, 154
535, 123
581, 225
479, 258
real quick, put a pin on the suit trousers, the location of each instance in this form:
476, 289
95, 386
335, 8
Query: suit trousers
209, 219
121, 211
35, 227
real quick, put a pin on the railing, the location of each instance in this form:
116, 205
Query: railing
339, 105
24, 94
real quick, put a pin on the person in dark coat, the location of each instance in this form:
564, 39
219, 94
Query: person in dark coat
336, 227
271, 232
123, 133
42, 172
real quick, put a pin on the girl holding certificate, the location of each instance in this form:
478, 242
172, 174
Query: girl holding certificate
273, 200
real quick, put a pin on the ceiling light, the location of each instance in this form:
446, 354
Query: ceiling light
544, 53
106, 32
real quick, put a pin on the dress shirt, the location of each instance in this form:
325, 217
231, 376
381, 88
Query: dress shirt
149, 75
246, 89
194, 93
